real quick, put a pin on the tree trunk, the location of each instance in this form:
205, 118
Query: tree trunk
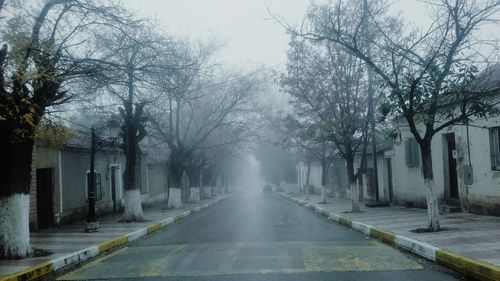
308, 178
133, 209
14, 196
175, 176
353, 185
323, 181
432, 201
194, 188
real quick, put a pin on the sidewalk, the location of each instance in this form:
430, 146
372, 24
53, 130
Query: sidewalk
71, 245
468, 238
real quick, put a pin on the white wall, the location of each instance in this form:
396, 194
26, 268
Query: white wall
483, 196
314, 176
409, 181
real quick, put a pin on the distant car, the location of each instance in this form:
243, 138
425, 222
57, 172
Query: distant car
267, 188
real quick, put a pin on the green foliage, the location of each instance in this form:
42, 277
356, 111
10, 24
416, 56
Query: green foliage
53, 134
391, 134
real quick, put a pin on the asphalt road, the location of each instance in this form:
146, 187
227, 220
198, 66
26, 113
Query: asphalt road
257, 237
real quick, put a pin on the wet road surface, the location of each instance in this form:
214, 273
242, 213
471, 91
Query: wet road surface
257, 237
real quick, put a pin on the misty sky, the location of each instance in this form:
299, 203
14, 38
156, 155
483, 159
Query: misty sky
251, 37
244, 25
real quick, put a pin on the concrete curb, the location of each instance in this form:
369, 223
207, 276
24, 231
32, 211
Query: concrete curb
470, 267
54, 266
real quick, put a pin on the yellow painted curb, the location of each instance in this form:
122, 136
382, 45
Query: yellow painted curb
33, 273
345, 222
468, 266
103, 247
154, 227
386, 236
177, 217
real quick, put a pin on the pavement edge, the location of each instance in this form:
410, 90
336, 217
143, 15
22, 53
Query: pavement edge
46, 269
468, 266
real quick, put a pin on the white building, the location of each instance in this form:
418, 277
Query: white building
466, 166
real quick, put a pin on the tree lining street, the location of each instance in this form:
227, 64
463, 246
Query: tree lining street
257, 237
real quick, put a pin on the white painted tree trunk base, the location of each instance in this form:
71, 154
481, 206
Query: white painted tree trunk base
207, 192
323, 194
432, 207
14, 226
133, 209
355, 198
194, 194
218, 190
174, 198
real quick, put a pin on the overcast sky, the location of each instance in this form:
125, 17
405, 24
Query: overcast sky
251, 37
244, 25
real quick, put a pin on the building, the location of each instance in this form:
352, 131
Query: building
466, 166
59, 182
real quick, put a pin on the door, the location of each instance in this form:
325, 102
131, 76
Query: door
452, 167
44, 202
389, 180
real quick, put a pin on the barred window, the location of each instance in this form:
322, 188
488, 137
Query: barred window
495, 148
412, 153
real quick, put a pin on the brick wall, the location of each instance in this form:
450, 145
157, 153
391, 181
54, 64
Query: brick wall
33, 210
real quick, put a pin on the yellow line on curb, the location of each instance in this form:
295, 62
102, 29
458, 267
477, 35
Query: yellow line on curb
468, 266
154, 227
177, 217
346, 222
384, 235
103, 247
33, 273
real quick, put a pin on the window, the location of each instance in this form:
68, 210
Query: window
412, 153
495, 148
98, 185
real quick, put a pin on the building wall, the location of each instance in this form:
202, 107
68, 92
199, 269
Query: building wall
70, 167
382, 176
75, 165
157, 182
409, 181
70, 180
314, 176
337, 178
483, 196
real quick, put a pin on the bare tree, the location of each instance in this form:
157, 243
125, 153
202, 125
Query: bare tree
133, 56
44, 55
314, 140
431, 75
195, 103
231, 139
328, 86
